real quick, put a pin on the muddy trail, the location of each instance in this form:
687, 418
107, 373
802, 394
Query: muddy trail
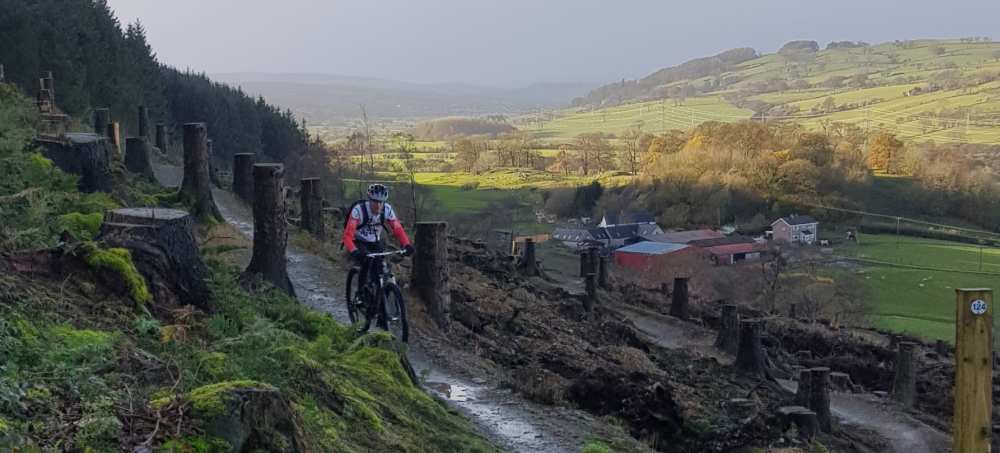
902, 432
511, 422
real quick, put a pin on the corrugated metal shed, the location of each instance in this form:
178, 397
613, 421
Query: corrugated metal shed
652, 248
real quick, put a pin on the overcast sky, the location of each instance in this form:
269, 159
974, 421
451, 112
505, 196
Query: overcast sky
514, 42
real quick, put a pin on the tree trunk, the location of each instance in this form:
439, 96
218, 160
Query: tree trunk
819, 397
591, 297
243, 175
196, 187
593, 254
679, 301
430, 274
311, 199
602, 273
143, 122
270, 229
115, 135
102, 117
904, 384
804, 420
805, 387
161, 137
137, 157
164, 250
729, 330
529, 263
750, 357
86, 155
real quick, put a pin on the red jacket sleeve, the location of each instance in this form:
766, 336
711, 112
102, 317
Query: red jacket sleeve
349, 230
398, 232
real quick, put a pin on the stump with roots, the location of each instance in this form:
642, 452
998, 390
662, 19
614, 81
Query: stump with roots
164, 250
529, 261
87, 155
679, 299
750, 355
196, 187
904, 383
728, 339
137, 157
430, 276
270, 229
243, 176
311, 200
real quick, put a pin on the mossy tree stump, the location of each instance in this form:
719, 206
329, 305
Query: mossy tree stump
311, 199
196, 187
164, 251
270, 229
430, 270
243, 176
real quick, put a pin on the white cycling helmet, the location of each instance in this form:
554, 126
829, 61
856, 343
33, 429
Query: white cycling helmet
378, 192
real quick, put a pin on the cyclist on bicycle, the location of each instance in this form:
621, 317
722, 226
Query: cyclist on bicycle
363, 231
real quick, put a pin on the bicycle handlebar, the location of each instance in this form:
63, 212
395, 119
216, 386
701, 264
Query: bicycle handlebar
379, 254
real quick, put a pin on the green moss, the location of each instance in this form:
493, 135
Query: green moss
593, 446
83, 227
98, 433
208, 399
119, 260
4, 426
212, 364
195, 445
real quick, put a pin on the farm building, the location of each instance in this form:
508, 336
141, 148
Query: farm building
645, 256
682, 237
726, 254
611, 236
795, 229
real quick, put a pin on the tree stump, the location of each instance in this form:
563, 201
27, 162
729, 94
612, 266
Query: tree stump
102, 116
196, 187
143, 122
161, 137
213, 171
750, 356
243, 175
529, 262
819, 397
430, 274
941, 348
164, 251
137, 157
252, 417
115, 135
86, 155
805, 421
591, 286
311, 200
270, 228
602, 273
584, 263
593, 254
804, 387
904, 383
679, 299
841, 382
729, 330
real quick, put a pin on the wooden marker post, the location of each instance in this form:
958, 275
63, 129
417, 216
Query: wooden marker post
972, 430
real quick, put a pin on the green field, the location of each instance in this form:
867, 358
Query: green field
921, 301
881, 103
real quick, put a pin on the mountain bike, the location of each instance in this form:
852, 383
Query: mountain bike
380, 299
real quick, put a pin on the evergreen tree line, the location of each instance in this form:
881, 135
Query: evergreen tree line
98, 63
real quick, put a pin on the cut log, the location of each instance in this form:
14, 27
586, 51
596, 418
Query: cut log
270, 229
311, 200
243, 175
904, 383
86, 155
164, 250
728, 339
137, 157
602, 273
750, 356
819, 397
196, 187
529, 263
161, 137
102, 117
591, 297
430, 273
679, 299
143, 122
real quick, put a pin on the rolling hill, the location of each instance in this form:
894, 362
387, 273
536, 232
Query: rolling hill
940, 90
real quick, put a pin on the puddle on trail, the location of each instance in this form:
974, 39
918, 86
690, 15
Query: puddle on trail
495, 412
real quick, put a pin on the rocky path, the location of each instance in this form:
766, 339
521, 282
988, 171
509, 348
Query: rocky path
904, 433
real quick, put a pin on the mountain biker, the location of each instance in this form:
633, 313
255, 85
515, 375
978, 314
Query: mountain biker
363, 232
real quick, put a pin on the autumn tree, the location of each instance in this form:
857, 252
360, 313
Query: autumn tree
884, 149
593, 152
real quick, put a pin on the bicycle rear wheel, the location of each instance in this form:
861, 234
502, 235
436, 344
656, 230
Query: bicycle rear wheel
353, 288
394, 313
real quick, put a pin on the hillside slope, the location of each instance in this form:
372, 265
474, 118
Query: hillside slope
940, 90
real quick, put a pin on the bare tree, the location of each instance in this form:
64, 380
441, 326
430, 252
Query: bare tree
631, 149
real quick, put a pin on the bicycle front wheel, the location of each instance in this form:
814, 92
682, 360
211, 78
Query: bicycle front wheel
394, 313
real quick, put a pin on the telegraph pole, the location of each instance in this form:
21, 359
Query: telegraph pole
972, 425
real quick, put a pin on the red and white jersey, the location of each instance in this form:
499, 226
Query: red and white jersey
371, 232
